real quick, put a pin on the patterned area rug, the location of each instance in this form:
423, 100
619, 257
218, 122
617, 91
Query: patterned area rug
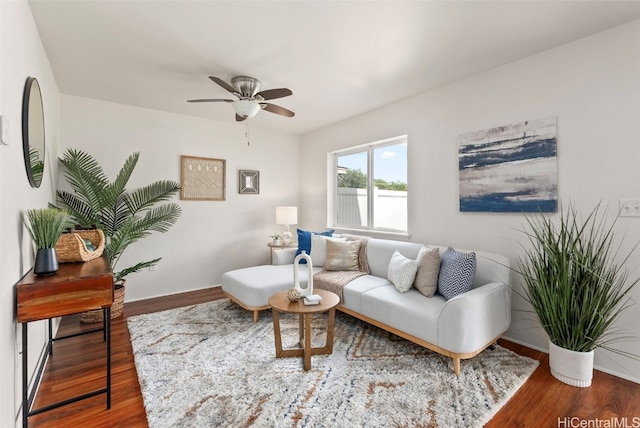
208, 365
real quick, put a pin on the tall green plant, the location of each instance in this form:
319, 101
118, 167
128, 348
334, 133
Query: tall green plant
572, 281
124, 216
45, 225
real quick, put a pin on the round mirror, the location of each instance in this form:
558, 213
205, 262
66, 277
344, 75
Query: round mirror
33, 131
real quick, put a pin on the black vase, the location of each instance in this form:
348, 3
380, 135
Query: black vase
46, 262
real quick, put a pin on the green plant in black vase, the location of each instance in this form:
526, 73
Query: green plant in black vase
45, 225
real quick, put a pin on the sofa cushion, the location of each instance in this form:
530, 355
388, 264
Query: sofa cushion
402, 272
342, 255
254, 285
352, 293
319, 249
304, 241
457, 270
426, 280
410, 312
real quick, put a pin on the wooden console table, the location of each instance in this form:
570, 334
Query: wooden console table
75, 288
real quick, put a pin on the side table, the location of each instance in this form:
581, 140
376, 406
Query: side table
75, 288
280, 303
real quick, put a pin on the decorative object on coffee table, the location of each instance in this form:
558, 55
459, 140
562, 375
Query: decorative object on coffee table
45, 225
308, 289
293, 294
281, 303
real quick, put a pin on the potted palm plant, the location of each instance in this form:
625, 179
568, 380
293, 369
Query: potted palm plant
124, 216
576, 288
45, 225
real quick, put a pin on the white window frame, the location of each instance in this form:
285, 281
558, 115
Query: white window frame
332, 185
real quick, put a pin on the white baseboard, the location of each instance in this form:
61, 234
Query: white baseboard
171, 294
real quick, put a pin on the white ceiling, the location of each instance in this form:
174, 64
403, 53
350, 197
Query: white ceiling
340, 58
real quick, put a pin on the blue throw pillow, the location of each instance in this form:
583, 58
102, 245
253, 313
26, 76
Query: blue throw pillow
457, 270
304, 241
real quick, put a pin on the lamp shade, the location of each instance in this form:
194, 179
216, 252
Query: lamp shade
246, 108
286, 215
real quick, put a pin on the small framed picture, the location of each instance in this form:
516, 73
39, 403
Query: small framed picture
248, 181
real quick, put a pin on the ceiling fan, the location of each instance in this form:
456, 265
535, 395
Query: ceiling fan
250, 98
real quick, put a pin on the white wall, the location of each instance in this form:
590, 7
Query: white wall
211, 237
21, 55
591, 85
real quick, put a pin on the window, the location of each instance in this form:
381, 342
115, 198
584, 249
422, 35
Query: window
370, 186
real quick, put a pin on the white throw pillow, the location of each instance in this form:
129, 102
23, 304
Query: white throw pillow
319, 249
402, 271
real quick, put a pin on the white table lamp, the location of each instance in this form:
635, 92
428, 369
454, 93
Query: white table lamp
286, 216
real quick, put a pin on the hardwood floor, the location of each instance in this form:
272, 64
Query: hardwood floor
77, 366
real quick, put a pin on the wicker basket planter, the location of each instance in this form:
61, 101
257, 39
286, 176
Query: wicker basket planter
71, 247
116, 309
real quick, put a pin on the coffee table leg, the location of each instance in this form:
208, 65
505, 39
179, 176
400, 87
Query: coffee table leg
276, 331
330, 328
307, 341
301, 330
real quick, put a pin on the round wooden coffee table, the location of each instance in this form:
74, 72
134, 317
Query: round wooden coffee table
280, 303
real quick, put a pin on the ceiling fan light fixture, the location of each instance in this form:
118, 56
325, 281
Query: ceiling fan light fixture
246, 108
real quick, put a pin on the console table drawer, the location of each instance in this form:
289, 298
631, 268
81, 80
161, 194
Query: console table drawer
76, 287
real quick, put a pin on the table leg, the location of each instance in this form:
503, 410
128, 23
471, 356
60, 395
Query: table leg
25, 384
307, 341
330, 328
276, 331
301, 334
50, 344
107, 333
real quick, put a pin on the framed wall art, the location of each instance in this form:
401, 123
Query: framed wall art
202, 179
248, 181
511, 168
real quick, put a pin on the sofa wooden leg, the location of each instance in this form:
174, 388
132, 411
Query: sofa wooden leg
255, 316
456, 366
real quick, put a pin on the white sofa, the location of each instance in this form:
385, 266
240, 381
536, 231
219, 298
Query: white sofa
460, 327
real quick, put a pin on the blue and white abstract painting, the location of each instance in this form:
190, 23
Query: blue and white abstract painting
511, 168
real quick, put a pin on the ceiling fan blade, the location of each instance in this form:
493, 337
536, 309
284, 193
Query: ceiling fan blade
239, 118
224, 84
277, 109
210, 100
272, 94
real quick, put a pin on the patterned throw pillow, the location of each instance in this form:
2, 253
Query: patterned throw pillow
426, 281
457, 270
402, 271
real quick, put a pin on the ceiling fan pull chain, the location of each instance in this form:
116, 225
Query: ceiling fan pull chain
246, 133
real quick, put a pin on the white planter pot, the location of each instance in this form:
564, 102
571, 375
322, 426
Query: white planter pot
571, 367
